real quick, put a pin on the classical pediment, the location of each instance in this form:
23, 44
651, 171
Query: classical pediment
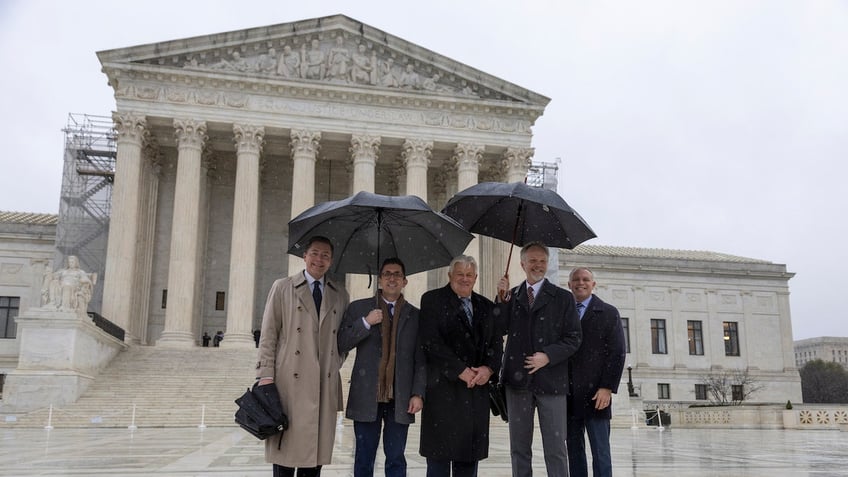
334, 52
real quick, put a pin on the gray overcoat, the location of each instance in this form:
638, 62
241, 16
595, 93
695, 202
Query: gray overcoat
299, 351
410, 364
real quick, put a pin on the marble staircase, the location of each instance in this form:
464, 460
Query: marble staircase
155, 387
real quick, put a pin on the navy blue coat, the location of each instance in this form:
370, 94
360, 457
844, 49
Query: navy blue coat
600, 360
455, 419
555, 330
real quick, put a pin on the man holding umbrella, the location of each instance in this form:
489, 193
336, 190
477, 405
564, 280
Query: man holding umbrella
389, 371
298, 353
543, 331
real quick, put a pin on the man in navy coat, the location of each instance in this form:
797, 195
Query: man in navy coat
595, 371
388, 378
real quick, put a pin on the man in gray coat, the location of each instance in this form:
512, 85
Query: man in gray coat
387, 387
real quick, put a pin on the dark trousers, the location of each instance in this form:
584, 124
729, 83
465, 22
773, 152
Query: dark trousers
368, 438
280, 471
598, 430
442, 468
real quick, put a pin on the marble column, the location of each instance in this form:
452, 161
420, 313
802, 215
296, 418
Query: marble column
516, 163
122, 250
364, 150
304, 146
186, 234
151, 172
240, 297
416, 158
467, 158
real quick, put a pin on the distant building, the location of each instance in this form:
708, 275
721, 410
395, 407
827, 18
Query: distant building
826, 348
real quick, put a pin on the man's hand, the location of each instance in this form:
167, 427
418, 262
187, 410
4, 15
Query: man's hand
483, 375
265, 381
503, 289
536, 361
467, 376
374, 317
415, 404
602, 398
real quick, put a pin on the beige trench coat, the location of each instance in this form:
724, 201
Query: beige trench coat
299, 351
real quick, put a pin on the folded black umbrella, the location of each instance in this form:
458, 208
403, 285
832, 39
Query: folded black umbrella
260, 412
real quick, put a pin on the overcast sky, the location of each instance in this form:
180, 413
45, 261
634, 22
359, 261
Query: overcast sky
697, 125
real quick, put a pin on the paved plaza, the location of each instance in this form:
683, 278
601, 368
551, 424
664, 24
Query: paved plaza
229, 451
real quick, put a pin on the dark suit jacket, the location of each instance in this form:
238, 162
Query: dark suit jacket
455, 419
555, 330
600, 360
410, 367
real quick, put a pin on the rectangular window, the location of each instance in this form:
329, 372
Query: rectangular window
663, 391
701, 392
9, 306
219, 300
736, 392
164, 299
658, 342
696, 338
625, 323
731, 338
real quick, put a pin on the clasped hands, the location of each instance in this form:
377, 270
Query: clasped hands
476, 376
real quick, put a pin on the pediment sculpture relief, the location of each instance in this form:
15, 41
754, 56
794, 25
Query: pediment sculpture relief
339, 62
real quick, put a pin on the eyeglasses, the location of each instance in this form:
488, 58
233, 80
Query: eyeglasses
392, 275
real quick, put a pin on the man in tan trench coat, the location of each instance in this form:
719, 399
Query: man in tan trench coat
298, 352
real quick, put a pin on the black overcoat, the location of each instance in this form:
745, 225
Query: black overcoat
599, 361
455, 419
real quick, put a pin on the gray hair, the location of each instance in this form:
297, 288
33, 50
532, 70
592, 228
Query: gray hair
530, 245
466, 260
577, 269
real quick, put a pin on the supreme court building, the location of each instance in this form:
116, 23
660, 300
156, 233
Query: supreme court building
222, 139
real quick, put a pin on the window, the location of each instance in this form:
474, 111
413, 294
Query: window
736, 392
701, 392
731, 338
663, 391
625, 324
658, 343
9, 306
696, 338
219, 300
164, 299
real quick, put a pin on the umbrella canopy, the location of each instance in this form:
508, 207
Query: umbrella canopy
367, 228
517, 213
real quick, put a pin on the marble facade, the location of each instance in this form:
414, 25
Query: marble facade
222, 139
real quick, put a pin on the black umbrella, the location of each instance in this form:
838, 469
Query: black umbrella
367, 228
517, 213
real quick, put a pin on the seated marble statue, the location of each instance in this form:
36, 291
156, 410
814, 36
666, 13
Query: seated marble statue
68, 289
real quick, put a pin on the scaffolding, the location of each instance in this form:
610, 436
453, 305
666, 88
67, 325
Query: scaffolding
84, 207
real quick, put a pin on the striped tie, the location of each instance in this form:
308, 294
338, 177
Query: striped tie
530, 296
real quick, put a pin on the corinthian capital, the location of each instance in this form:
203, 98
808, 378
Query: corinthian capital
364, 147
190, 132
130, 127
416, 152
249, 138
305, 142
468, 156
516, 161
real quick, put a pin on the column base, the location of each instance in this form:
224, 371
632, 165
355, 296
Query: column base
238, 341
176, 339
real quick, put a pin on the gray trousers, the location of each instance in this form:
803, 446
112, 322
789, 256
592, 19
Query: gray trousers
522, 405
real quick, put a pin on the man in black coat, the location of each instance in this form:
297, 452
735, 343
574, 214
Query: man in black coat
595, 373
463, 348
388, 382
543, 331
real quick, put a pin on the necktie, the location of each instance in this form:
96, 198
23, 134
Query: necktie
580, 309
391, 309
530, 296
316, 295
466, 305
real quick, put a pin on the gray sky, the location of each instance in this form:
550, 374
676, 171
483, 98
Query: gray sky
699, 125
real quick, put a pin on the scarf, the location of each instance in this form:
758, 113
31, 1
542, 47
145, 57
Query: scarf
386, 369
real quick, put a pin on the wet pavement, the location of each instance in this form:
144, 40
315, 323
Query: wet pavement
229, 451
